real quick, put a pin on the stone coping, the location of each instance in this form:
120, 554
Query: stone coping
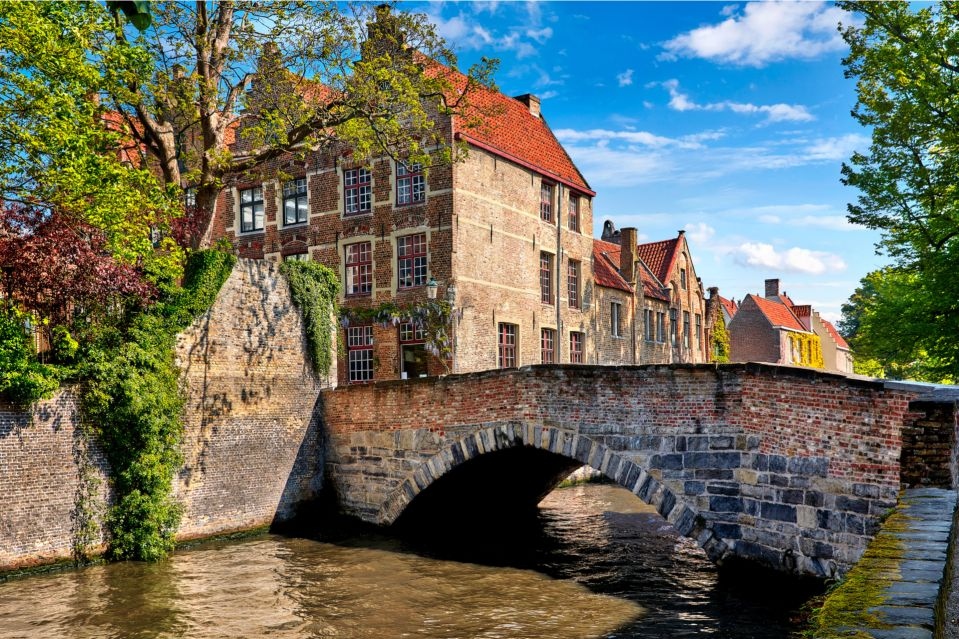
908, 559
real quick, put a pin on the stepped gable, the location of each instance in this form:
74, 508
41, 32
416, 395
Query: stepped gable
840, 342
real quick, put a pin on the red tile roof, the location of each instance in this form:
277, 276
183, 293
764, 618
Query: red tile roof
512, 132
777, 314
840, 342
660, 257
652, 287
605, 271
730, 306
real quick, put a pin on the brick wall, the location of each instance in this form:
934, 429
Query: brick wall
751, 338
791, 468
253, 450
929, 444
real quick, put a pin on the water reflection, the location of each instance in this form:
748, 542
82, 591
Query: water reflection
594, 562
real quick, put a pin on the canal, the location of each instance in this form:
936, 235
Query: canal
593, 562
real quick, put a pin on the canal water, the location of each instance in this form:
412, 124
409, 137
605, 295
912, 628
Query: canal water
593, 562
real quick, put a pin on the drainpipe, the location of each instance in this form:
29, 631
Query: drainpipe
559, 269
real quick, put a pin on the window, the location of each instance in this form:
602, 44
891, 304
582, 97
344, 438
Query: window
410, 184
682, 278
699, 332
357, 191
359, 269
507, 345
648, 327
673, 326
547, 340
576, 347
546, 202
251, 209
660, 327
297, 257
412, 350
411, 260
546, 277
295, 209
572, 280
685, 329
573, 217
359, 347
614, 317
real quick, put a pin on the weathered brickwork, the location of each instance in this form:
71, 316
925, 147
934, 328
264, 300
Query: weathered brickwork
798, 485
253, 450
607, 348
47, 468
929, 445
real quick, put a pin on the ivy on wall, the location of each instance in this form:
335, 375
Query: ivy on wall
808, 347
132, 403
720, 340
315, 290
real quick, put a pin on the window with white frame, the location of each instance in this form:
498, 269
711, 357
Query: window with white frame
359, 268
649, 329
507, 345
357, 191
546, 202
686, 329
411, 260
359, 348
410, 184
295, 208
615, 311
251, 209
413, 356
660, 327
576, 341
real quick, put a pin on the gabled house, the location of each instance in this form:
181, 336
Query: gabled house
672, 323
775, 329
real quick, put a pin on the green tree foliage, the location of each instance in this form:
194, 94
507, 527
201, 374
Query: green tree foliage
59, 148
22, 378
283, 77
906, 64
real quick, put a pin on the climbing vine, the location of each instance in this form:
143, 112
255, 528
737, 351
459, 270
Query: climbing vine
132, 400
315, 290
432, 317
720, 340
809, 349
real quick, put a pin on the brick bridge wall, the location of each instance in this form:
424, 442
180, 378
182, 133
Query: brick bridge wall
252, 449
789, 467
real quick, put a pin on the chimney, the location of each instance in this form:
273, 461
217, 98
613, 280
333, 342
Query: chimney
803, 313
610, 234
772, 288
627, 255
530, 101
383, 34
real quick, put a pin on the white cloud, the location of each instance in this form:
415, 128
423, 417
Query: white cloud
838, 148
679, 101
540, 35
523, 38
794, 260
546, 95
764, 32
699, 232
643, 138
625, 78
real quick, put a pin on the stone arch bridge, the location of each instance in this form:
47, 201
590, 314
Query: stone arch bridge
789, 467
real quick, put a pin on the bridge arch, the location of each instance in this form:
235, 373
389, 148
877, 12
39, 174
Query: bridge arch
574, 447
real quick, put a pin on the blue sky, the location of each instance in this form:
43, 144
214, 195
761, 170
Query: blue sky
729, 120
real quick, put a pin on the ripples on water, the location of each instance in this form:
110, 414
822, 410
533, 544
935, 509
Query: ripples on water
594, 562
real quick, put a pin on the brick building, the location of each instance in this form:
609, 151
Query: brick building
505, 234
672, 321
775, 329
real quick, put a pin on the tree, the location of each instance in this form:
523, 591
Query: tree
720, 337
214, 89
905, 64
58, 148
60, 270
